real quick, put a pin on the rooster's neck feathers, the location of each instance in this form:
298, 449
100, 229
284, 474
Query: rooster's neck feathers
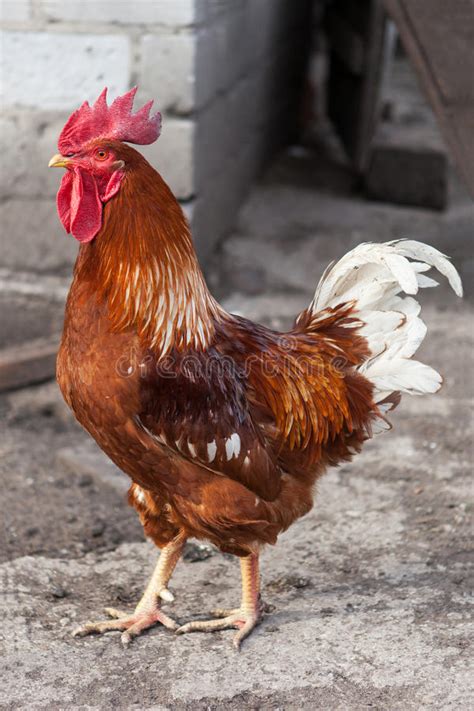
144, 267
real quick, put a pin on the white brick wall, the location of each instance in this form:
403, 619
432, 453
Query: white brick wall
173, 155
222, 72
36, 240
167, 70
170, 13
15, 10
24, 170
53, 70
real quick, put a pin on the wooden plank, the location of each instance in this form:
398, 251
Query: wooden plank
28, 363
461, 122
438, 37
445, 32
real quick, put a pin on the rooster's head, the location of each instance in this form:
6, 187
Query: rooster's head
92, 151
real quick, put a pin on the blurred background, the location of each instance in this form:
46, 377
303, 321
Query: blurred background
292, 131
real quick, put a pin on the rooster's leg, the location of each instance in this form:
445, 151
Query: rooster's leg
244, 618
148, 611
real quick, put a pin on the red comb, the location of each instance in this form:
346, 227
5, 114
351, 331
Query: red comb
115, 121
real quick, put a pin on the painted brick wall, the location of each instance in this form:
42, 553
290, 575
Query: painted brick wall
224, 73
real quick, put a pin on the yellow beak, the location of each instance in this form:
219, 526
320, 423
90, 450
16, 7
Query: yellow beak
58, 161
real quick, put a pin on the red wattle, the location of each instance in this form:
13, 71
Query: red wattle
112, 186
63, 200
79, 205
86, 207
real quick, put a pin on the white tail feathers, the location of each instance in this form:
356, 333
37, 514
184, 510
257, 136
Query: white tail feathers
373, 276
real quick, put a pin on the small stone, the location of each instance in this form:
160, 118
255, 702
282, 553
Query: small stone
47, 410
85, 480
353, 514
287, 583
272, 628
120, 593
98, 529
195, 552
58, 592
115, 538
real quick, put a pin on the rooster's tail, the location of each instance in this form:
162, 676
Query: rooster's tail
376, 277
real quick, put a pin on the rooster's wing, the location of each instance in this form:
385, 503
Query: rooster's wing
196, 406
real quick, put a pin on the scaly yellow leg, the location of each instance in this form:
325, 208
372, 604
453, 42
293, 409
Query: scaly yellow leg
244, 618
148, 612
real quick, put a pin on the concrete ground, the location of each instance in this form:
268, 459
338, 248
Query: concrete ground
370, 590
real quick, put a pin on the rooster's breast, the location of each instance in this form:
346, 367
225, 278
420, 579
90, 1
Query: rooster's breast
98, 374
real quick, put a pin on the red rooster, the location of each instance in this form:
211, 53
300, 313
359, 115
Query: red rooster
223, 425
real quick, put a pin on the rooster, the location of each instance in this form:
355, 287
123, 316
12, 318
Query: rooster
223, 425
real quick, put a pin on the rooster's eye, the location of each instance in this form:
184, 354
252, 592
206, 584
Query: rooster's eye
101, 154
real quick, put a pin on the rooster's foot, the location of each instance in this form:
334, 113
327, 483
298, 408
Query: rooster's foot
242, 620
130, 625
